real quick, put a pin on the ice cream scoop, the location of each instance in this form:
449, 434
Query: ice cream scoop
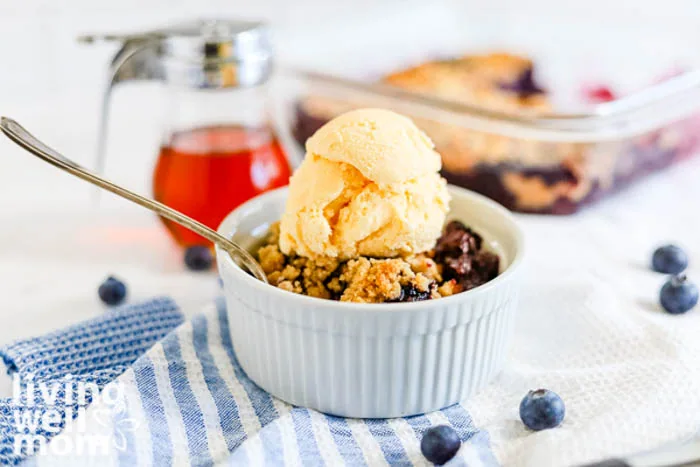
384, 146
368, 186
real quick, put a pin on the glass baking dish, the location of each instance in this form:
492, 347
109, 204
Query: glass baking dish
553, 162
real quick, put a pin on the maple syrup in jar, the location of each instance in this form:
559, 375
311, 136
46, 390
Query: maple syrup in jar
218, 148
207, 172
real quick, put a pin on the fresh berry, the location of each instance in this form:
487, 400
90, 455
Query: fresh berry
678, 295
524, 85
669, 259
440, 444
199, 258
542, 409
410, 293
599, 94
112, 291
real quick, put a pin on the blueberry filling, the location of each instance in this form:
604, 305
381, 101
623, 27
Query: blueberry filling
410, 293
524, 85
459, 251
457, 240
456, 264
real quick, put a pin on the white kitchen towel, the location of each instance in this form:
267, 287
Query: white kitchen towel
629, 377
590, 328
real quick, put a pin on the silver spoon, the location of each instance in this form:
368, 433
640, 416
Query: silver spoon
22, 137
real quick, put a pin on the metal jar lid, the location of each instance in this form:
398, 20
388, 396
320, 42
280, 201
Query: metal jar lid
214, 53
218, 53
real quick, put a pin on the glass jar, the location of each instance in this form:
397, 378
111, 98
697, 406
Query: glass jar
218, 148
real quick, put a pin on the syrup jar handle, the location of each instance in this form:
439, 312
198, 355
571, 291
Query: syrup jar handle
208, 54
138, 58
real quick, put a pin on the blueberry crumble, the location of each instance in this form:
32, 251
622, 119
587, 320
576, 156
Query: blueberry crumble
456, 264
523, 174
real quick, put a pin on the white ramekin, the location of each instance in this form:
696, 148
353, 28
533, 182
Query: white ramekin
372, 360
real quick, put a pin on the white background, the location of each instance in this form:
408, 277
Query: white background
56, 244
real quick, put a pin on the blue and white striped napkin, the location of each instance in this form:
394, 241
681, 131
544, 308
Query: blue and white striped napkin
188, 402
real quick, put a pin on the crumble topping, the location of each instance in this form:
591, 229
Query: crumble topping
456, 264
497, 81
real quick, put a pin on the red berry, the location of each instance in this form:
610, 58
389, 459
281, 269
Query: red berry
599, 94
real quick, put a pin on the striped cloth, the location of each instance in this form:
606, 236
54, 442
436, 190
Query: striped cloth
188, 402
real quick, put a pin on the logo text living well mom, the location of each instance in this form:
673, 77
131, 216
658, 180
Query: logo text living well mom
41, 409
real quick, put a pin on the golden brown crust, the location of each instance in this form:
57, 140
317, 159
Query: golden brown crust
361, 280
480, 80
271, 259
426, 266
375, 280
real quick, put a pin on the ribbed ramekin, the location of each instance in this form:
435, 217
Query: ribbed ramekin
372, 360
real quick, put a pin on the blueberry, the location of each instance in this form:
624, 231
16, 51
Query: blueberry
440, 444
112, 291
669, 259
411, 294
524, 85
678, 295
198, 258
542, 409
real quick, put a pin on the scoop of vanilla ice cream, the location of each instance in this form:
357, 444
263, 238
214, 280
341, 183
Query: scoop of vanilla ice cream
369, 186
384, 146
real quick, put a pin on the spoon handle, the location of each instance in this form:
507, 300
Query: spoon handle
23, 138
